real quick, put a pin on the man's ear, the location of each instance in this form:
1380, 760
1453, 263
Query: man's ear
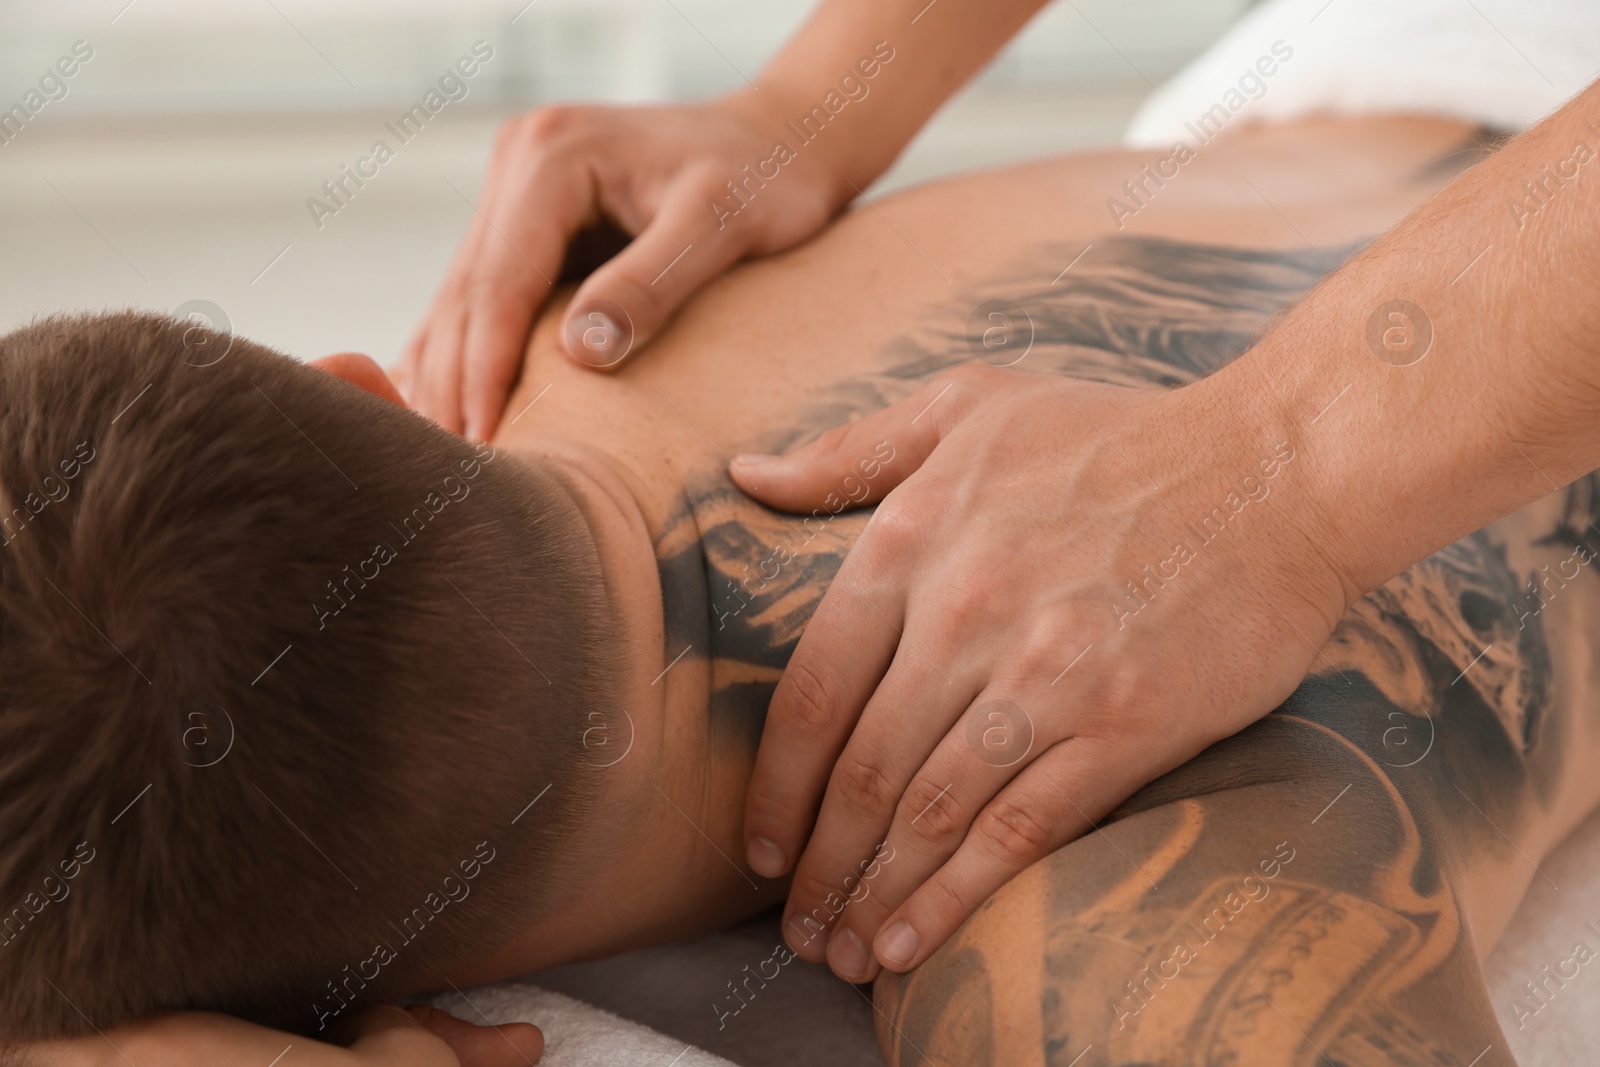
362, 370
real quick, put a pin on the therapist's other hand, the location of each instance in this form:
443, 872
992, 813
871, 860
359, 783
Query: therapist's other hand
1032, 626
658, 174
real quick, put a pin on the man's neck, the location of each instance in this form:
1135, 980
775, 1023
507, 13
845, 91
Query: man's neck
671, 780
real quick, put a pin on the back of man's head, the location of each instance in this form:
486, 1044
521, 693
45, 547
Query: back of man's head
280, 665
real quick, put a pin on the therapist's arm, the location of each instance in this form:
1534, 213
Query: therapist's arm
1445, 376
1504, 407
696, 186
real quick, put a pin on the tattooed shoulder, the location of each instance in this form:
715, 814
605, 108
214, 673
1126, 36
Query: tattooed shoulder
741, 581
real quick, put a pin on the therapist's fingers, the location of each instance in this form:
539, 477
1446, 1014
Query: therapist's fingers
402, 372
845, 650
860, 462
436, 384
889, 744
850, 640
532, 154
1058, 798
626, 301
937, 811
431, 365
518, 262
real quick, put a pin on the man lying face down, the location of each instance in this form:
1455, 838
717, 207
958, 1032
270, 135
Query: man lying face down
282, 664
306, 703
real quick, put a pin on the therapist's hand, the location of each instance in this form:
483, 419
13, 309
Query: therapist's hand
981, 682
655, 172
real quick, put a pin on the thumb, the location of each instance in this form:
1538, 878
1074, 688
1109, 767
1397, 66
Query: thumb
859, 462
625, 302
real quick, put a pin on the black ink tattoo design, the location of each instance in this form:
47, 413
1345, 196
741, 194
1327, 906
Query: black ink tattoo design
1436, 710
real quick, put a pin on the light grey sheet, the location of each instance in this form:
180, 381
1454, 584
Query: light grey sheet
804, 1017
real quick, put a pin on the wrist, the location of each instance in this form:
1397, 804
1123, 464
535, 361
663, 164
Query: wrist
771, 110
846, 97
1294, 541
1444, 376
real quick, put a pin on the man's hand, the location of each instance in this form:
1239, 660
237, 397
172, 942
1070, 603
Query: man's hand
1071, 589
385, 1036
656, 172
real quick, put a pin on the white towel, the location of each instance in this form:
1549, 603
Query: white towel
1501, 63
575, 1034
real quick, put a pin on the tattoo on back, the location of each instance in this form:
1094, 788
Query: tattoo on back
741, 581
1290, 896
1430, 733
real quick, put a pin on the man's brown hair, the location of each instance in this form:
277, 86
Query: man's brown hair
281, 667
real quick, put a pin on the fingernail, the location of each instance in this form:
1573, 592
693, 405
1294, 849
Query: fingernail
765, 858
846, 954
797, 936
599, 335
752, 459
898, 944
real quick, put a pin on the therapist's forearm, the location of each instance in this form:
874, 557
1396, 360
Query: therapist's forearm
935, 46
1503, 405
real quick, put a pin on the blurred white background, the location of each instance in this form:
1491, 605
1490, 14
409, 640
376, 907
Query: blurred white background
178, 164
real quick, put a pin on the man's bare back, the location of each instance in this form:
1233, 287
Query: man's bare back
1403, 886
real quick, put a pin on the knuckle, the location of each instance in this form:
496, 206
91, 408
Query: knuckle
968, 374
1097, 719
708, 182
452, 295
484, 290
818, 903
498, 301
545, 124
975, 378
809, 709
628, 277
964, 614
930, 812
493, 372
833, 439
766, 811
806, 928
1111, 701
1036, 663
862, 783
967, 598
1013, 832
946, 900
895, 525
810, 887
1044, 650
